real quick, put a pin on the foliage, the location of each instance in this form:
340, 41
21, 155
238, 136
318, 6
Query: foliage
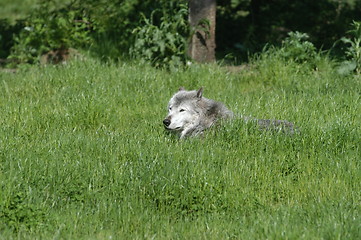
353, 51
163, 45
248, 25
48, 29
123, 28
7, 31
296, 47
105, 28
16, 213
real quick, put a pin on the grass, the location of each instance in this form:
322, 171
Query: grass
83, 154
14, 10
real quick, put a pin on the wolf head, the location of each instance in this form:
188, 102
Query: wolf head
189, 113
183, 110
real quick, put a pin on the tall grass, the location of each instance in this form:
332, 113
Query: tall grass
83, 154
16, 9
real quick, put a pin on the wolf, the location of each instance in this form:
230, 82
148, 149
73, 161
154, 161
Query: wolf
190, 114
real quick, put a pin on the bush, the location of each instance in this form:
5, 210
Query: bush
296, 47
353, 51
17, 212
47, 30
163, 44
7, 32
154, 31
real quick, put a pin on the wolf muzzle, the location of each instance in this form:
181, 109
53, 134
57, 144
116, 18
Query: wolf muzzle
166, 122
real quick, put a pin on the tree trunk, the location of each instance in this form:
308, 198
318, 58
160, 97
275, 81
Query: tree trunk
202, 18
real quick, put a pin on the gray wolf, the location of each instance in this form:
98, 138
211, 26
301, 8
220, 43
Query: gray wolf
189, 114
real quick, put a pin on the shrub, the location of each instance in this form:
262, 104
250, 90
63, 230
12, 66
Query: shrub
155, 31
353, 51
7, 31
295, 51
48, 29
17, 212
296, 47
162, 44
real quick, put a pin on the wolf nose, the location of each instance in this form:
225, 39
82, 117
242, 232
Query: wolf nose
166, 122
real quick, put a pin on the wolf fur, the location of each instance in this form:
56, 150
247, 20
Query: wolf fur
189, 114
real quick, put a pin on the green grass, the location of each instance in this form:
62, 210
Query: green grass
14, 10
83, 154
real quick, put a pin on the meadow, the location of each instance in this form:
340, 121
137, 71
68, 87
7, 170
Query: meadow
83, 154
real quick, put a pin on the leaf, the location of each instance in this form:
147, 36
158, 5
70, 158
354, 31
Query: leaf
346, 40
346, 67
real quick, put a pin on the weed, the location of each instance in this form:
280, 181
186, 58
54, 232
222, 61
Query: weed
17, 213
296, 47
353, 51
163, 44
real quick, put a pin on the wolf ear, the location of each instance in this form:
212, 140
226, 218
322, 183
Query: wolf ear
181, 89
199, 93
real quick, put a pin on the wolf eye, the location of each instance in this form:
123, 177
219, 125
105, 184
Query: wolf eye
182, 110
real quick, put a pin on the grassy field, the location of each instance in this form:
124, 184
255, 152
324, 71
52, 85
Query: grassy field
83, 154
